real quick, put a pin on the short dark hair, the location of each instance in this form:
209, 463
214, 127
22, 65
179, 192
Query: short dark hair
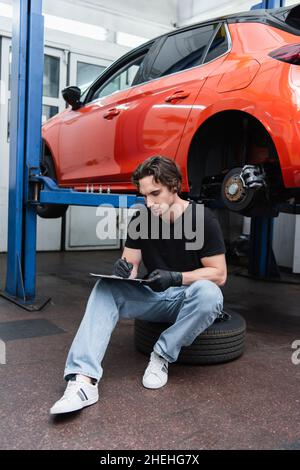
163, 170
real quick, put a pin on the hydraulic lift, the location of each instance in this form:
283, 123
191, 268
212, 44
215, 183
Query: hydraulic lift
27, 187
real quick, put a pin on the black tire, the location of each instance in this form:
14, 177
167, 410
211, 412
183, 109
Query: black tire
223, 341
50, 211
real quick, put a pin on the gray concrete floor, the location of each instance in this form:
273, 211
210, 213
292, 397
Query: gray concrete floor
250, 403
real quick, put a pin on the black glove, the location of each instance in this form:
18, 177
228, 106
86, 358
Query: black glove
160, 280
122, 268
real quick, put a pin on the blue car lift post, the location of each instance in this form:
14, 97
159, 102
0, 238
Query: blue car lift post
26, 187
268, 4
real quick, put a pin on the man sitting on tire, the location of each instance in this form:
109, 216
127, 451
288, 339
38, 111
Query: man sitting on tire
182, 289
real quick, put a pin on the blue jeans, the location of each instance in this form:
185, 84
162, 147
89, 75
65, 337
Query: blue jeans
191, 310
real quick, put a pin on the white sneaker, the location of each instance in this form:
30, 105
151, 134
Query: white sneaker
78, 394
156, 374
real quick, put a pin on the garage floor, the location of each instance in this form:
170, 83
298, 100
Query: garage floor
250, 403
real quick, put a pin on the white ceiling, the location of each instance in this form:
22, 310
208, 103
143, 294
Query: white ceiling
199, 10
191, 11
163, 13
144, 19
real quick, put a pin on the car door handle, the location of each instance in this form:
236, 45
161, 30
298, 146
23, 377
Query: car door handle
111, 113
178, 95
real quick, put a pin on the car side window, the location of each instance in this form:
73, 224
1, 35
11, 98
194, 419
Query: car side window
182, 51
122, 79
219, 45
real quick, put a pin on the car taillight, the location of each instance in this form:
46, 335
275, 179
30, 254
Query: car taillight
290, 54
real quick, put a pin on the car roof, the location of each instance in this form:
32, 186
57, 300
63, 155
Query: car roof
274, 17
277, 17
255, 14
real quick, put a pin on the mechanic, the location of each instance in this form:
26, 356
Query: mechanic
183, 285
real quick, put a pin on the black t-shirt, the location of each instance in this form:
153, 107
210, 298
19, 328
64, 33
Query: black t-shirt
180, 251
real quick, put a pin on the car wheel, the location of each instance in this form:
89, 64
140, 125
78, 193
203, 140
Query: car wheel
50, 211
223, 341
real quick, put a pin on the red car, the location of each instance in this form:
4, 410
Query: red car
221, 98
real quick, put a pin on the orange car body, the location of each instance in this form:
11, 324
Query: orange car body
104, 140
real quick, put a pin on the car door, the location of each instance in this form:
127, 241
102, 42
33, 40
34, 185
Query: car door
159, 109
88, 148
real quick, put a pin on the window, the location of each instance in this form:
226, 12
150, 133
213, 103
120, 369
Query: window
219, 45
87, 74
182, 51
121, 80
49, 112
51, 76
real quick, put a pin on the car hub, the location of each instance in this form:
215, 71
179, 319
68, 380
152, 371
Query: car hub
234, 189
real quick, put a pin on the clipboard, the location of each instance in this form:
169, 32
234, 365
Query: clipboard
119, 278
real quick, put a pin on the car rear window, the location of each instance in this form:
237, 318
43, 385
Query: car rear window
219, 45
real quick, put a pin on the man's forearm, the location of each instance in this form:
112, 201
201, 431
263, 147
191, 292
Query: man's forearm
210, 274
